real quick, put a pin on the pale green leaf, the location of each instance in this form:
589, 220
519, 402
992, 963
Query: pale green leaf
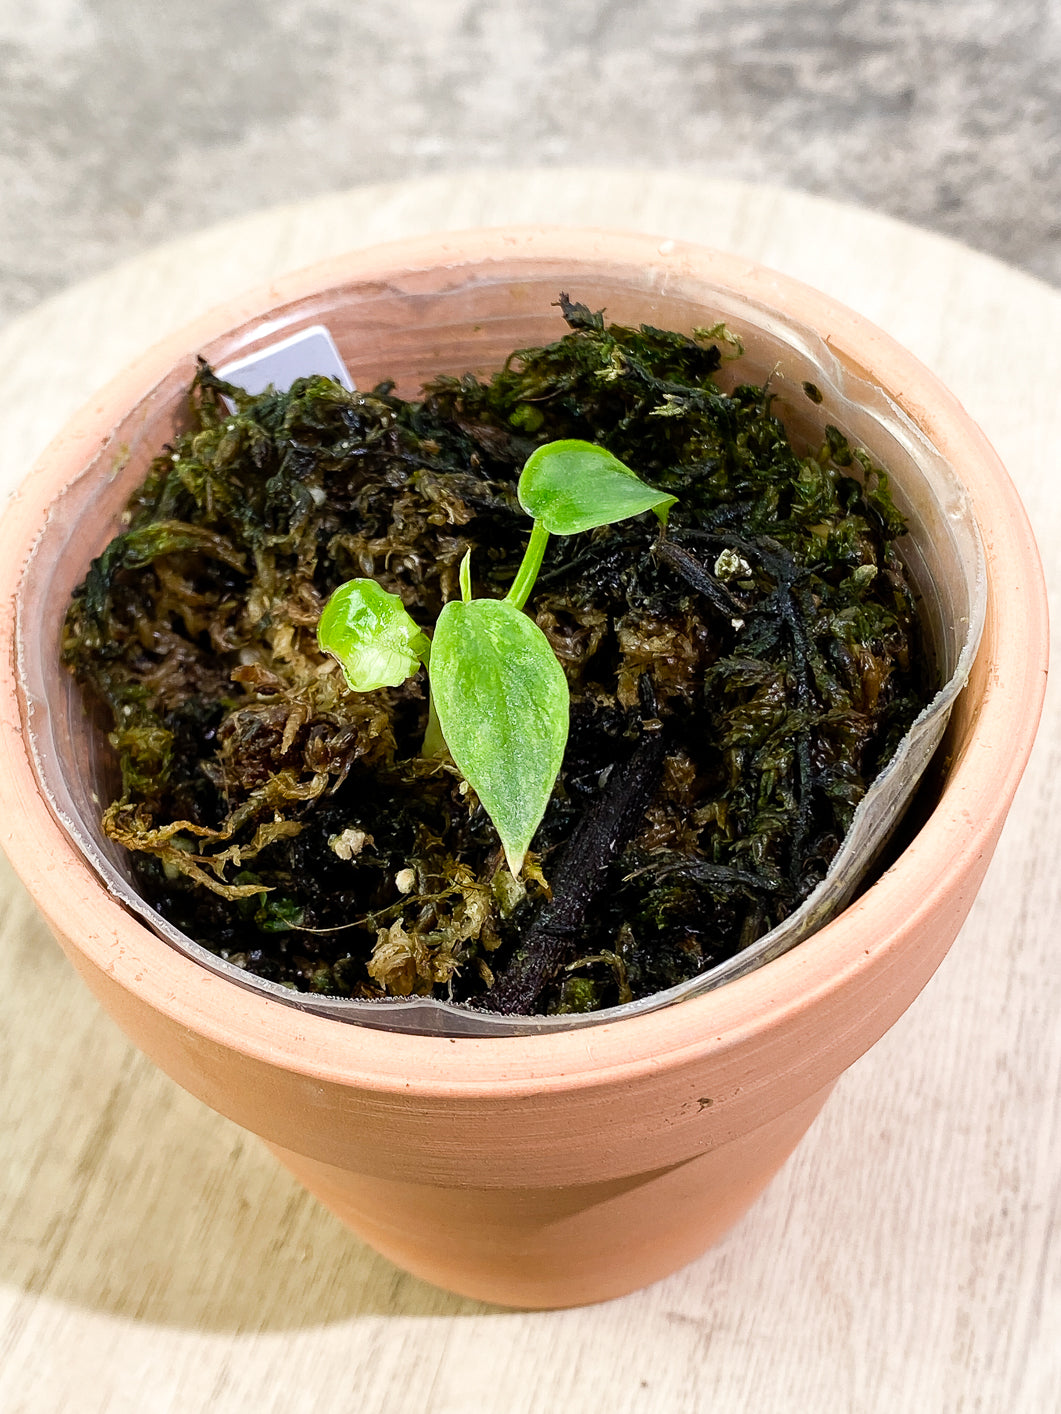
370, 634
571, 486
503, 705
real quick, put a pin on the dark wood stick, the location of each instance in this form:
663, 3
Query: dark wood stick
579, 876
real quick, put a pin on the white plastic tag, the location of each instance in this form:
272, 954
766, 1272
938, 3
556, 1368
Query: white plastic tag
310, 351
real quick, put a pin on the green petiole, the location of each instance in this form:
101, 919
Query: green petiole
531, 564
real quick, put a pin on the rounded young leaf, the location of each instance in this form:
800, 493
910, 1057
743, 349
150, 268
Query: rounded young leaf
571, 486
503, 705
371, 635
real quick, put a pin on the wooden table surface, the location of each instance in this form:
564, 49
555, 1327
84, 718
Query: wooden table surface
154, 1258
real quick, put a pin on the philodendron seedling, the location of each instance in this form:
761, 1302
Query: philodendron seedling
499, 698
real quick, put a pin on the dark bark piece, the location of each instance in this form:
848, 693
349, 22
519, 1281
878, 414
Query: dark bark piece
699, 577
580, 875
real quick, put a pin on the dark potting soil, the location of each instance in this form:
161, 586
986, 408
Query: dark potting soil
737, 680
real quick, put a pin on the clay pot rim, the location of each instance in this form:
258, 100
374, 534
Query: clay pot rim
865, 942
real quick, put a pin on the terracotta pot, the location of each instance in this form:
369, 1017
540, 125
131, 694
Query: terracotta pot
506, 1168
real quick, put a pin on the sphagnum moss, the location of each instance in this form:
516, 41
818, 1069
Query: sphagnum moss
736, 680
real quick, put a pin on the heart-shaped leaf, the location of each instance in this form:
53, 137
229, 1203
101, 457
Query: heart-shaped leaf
571, 486
503, 705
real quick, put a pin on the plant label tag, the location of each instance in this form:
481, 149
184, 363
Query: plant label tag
311, 351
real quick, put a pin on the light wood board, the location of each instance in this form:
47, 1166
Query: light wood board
154, 1259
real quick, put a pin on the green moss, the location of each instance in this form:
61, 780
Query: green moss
768, 635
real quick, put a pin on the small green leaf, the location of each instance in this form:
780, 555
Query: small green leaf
370, 634
503, 705
571, 486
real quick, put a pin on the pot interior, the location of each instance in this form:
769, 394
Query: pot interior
469, 316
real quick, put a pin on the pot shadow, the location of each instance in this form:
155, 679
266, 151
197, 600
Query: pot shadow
123, 1194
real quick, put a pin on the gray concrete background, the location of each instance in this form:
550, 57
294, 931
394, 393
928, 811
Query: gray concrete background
128, 122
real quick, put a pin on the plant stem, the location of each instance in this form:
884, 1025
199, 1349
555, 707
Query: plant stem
528, 570
434, 743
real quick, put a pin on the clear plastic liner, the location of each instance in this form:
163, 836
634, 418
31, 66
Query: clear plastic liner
942, 553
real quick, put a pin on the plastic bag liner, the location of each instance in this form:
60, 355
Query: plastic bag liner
942, 553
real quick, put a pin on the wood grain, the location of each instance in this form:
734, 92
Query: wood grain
153, 1257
